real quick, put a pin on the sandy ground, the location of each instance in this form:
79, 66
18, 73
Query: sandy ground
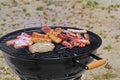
101, 17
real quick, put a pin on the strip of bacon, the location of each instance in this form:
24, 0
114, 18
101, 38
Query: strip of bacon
22, 41
10, 42
23, 37
24, 34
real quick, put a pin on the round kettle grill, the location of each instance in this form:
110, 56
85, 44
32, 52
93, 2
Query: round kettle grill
60, 64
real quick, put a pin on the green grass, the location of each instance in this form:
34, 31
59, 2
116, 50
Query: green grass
108, 66
103, 34
91, 73
0, 34
108, 47
106, 76
117, 36
89, 26
92, 3
24, 10
112, 7
40, 8
53, 20
109, 75
16, 11
1, 67
14, 2
6, 73
4, 19
103, 8
113, 17
28, 14
3, 24
79, 1
4, 4
8, 78
98, 54
118, 25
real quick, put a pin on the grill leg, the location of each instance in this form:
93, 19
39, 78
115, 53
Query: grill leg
22, 79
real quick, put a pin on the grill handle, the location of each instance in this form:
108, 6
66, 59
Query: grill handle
94, 64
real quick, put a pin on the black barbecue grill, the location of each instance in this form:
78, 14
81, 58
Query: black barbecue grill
60, 64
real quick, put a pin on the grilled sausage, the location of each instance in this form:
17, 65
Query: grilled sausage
77, 31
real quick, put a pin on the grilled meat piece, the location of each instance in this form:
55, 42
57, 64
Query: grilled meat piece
46, 29
55, 38
69, 32
52, 34
41, 47
77, 31
10, 42
21, 41
37, 37
67, 44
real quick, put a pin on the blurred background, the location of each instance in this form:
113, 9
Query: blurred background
100, 16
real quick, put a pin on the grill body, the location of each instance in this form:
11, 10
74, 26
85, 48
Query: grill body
56, 65
47, 69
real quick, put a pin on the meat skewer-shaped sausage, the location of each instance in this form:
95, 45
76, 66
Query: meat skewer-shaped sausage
77, 31
68, 32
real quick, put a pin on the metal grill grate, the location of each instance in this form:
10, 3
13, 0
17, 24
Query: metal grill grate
59, 51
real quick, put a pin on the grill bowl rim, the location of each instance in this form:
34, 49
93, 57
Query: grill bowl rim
30, 58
